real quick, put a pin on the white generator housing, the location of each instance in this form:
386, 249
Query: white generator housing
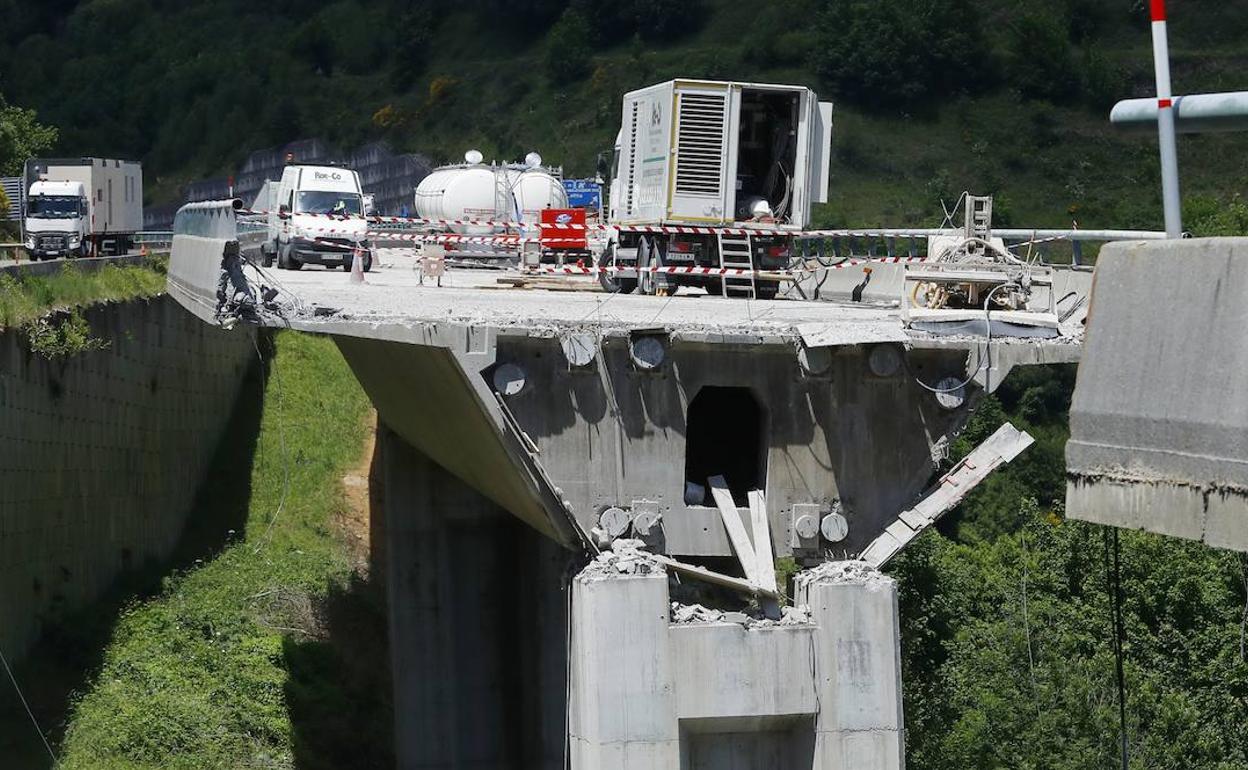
713, 153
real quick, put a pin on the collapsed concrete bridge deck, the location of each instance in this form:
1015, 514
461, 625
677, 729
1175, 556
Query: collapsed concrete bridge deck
565, 404
591, 417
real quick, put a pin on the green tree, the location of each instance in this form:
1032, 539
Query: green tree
1040, 61
21, 137
569, 51
900, 53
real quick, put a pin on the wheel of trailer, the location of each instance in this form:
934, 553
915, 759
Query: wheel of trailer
650, 257
266, 257
766, 289
609, 281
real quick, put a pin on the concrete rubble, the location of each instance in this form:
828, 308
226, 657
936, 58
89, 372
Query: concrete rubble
625, 557
697, 613
851, 572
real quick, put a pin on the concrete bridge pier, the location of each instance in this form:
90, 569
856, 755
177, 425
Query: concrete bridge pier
820, 690
478, 623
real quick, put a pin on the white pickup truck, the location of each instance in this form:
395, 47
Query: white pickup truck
318, 218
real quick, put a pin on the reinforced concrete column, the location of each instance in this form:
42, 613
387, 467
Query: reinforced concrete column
857, 666
478, 625
622, 709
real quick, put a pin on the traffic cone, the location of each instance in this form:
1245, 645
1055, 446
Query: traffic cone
357, 266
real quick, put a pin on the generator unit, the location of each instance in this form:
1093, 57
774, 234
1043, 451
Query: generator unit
716, 154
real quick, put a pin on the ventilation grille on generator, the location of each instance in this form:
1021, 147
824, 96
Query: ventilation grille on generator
700, 145
632, 160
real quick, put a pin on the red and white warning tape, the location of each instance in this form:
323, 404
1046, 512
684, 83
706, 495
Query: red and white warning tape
580, 269
625, 228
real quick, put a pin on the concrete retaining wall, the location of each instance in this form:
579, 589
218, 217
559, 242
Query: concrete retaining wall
101, 453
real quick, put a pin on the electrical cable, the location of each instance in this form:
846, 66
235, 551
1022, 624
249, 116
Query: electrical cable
29, 712
984, 365
1113, 585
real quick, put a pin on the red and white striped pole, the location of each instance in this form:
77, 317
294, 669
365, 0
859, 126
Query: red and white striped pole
1165, 123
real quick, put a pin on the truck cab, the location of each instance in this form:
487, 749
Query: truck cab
318, 217
57, 220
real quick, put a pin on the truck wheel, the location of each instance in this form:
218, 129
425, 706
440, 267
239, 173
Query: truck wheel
766, 289
285, 261
609, 282
266, 257
650, 254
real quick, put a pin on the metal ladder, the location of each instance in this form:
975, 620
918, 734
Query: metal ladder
737, 252
978, 222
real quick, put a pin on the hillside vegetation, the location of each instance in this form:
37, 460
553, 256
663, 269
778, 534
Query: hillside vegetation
1009, 634
934, 96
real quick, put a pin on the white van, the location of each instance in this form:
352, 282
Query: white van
318, 218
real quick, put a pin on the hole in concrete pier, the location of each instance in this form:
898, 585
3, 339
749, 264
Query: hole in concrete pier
724, 436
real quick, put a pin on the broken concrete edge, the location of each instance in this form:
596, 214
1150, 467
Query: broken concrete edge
627, 559
1213, 514
1147, 476
850, 572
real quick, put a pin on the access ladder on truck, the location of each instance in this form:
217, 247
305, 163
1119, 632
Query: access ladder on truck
736, 252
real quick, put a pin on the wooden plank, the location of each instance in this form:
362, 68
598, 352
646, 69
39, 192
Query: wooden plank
736, 530
1000, 448
714, 578
762, 540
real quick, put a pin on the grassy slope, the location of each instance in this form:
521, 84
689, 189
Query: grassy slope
201, 675
24, 298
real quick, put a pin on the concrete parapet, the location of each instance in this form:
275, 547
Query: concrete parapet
646, 693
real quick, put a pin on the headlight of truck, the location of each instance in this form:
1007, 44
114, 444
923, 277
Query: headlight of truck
30, 241
75, 239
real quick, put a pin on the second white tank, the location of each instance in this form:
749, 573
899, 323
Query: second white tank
478, 192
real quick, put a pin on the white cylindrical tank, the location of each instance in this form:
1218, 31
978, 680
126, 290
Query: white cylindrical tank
535, 190
480, 192
459, 192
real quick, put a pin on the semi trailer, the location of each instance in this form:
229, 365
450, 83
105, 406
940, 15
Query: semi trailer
713, 175
82, 207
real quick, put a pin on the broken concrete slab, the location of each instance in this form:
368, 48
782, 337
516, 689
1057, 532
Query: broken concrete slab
1159, 419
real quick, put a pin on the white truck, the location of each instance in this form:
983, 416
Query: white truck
82, 207
316, 215
717, 159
